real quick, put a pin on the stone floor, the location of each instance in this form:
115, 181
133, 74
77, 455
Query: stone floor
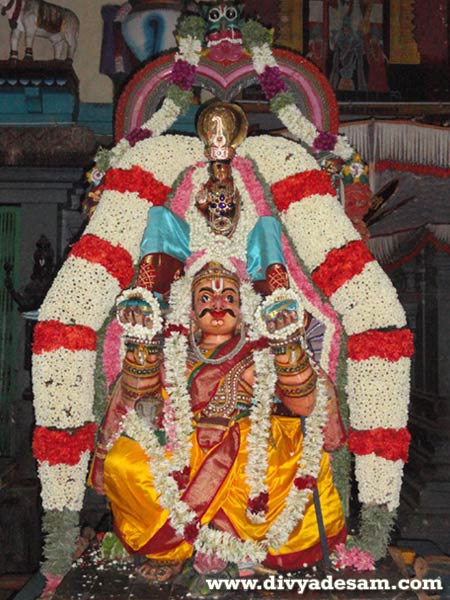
93, 579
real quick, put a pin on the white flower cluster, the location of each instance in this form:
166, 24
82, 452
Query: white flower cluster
165, 157
175, 355
262, 58
368, 301
276, 157
189, 50
63, 486
317, 224
379, 480
74, 296
228, 547
374, 388
120, 218
258, 437
63, 386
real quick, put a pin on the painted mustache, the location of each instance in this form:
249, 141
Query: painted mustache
218, 313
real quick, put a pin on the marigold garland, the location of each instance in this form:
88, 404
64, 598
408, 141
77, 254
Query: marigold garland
137, 180
52, 335
299, 186
392, 345
58, 446
391, 444
341, 265
116, 260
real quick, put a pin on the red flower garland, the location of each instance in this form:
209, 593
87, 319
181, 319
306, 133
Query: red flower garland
391, 165
137, 180
53, 335
306, 483
115, 259
391, 444
340, 266
299, 186
391, 345
58, 446
259, 504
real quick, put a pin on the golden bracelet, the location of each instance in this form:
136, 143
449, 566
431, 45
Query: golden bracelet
299, 390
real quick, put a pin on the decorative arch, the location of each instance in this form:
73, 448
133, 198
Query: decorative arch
312, 92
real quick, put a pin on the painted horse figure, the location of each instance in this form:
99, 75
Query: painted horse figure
36, 18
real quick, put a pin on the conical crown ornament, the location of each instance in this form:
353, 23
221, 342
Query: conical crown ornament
222, 126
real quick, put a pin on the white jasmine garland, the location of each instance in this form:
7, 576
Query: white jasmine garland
165, 157
276, 157
298, 125
228, 547
260, 418
176, 350
262, 57
63, 486
63, 386
70, 299
189, 50
164, 118
384, 483
318, 224
120, 218
368, 301
372, 387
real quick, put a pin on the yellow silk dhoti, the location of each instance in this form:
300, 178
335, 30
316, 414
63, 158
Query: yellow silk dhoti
142, 524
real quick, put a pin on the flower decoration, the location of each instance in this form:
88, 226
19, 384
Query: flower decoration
272, 82
183, 74
352, 558
324, 142
137, 135
144, 168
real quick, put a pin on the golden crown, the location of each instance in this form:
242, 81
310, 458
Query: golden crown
222, 126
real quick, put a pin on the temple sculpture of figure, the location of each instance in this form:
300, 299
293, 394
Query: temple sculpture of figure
213, 442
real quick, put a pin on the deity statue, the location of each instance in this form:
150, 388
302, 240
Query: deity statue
212, 447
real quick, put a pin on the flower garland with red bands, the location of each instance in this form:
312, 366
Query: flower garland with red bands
136, 180
53, 335
391, 444
391, 345
299, 186
115, 259
61, 446
341, 264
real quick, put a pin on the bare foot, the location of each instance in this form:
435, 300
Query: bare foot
159, 571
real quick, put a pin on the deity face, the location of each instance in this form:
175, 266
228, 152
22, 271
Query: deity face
223, 35
219, 200
216, 304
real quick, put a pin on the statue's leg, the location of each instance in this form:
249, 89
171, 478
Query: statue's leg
29, 40
14, 44
71, 33
59, 45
